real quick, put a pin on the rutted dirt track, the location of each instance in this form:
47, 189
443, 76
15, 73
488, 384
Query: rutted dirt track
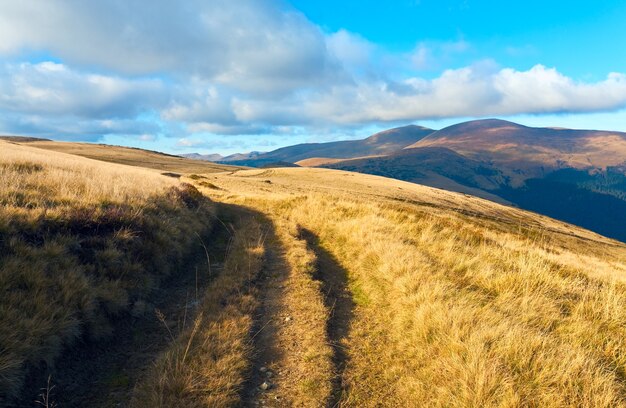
299, 330
301, 325
267, 373
338, 299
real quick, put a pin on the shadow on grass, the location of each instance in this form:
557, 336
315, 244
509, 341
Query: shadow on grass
338, 299
100, 373
103, 372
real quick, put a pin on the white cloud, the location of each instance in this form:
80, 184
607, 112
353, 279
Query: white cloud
482, 89
431, 55
200, 101
147, 138
545, 90
51, 97
352, 50
53, 100
185, 142
54, 89
71, 128
253, 45
251, 129
421, 57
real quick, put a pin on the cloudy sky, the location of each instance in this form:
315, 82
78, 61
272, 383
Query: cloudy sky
229, 76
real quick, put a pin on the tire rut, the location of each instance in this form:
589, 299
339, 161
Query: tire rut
338, 299
275, 334
266, 362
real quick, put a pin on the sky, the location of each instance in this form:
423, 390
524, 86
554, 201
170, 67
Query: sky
223, 76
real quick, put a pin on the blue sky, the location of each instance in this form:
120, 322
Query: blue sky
581, 38
224, 76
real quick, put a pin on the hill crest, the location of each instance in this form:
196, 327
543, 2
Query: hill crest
381, 143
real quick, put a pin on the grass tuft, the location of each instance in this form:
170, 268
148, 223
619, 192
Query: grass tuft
23, 167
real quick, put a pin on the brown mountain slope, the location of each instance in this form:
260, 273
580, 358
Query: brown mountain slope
528, 148
577, 176
431, 166
385, 142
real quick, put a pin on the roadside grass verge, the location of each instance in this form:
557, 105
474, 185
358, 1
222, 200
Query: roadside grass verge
452, 313
82, 243
209, 361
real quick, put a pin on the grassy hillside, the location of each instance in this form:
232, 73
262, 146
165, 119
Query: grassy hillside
344, 289
456, 301
128, 156
82, 243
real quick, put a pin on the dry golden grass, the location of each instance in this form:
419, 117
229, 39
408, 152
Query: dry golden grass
207, 364
80, 242
460, 302
210, 363
318, 161
34, 178
451, 318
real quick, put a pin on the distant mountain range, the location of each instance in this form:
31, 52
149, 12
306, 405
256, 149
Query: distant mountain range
578, 176
382, 143
208, 157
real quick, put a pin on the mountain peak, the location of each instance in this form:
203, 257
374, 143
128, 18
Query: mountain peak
410, 133
482, 128
482, 125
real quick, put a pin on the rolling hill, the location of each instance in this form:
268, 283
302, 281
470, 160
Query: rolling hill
125, 155
380, 143
432, 166
295, 287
